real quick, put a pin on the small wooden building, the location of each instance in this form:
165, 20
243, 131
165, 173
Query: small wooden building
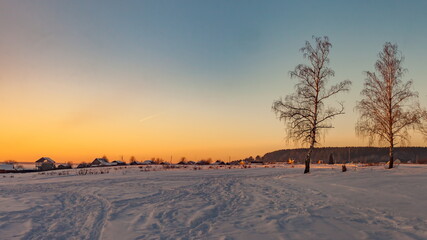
100, 162
45, 163
119, 163
64, 166
147, 162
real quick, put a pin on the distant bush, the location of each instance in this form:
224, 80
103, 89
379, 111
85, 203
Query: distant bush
19, 167
93, 171
183, 161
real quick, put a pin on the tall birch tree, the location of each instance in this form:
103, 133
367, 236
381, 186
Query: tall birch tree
389, 105
305, 112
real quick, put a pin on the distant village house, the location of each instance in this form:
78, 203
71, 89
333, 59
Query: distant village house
100, 162
147, 162
7, 167
45, 163
64, 166
119, 163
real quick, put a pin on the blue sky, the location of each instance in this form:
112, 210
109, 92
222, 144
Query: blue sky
201, 73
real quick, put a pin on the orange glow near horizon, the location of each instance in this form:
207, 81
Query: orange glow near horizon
79, 124
30, 139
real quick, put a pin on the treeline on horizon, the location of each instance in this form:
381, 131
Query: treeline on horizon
349, 154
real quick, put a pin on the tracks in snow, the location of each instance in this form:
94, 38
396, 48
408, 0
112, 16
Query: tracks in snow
55, 212
214, 207
237, 204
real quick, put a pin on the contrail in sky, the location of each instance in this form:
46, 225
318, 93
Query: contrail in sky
149, 117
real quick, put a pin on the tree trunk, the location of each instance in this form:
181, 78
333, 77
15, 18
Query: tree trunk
391, 118
308, 158
391, 154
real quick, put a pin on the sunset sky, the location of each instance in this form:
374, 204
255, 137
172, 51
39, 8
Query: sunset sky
82, 79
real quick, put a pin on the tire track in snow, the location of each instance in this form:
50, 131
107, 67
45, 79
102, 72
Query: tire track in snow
236, 204
183, 213
58, 214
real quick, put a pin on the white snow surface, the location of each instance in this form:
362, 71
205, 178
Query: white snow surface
256, 203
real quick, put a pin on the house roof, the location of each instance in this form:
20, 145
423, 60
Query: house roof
117, 161
102, 161
45, 159
218, 163
6, 167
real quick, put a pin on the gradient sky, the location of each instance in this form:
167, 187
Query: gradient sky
82, 79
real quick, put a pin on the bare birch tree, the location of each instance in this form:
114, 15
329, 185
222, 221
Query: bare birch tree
389, 106
305, 112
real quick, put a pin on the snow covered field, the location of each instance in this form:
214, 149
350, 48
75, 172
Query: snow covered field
255, 203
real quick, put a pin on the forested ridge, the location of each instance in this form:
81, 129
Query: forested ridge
349, 154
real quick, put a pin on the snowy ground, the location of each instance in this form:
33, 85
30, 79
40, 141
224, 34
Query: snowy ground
256, 203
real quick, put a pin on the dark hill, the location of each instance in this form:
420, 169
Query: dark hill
349, 154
